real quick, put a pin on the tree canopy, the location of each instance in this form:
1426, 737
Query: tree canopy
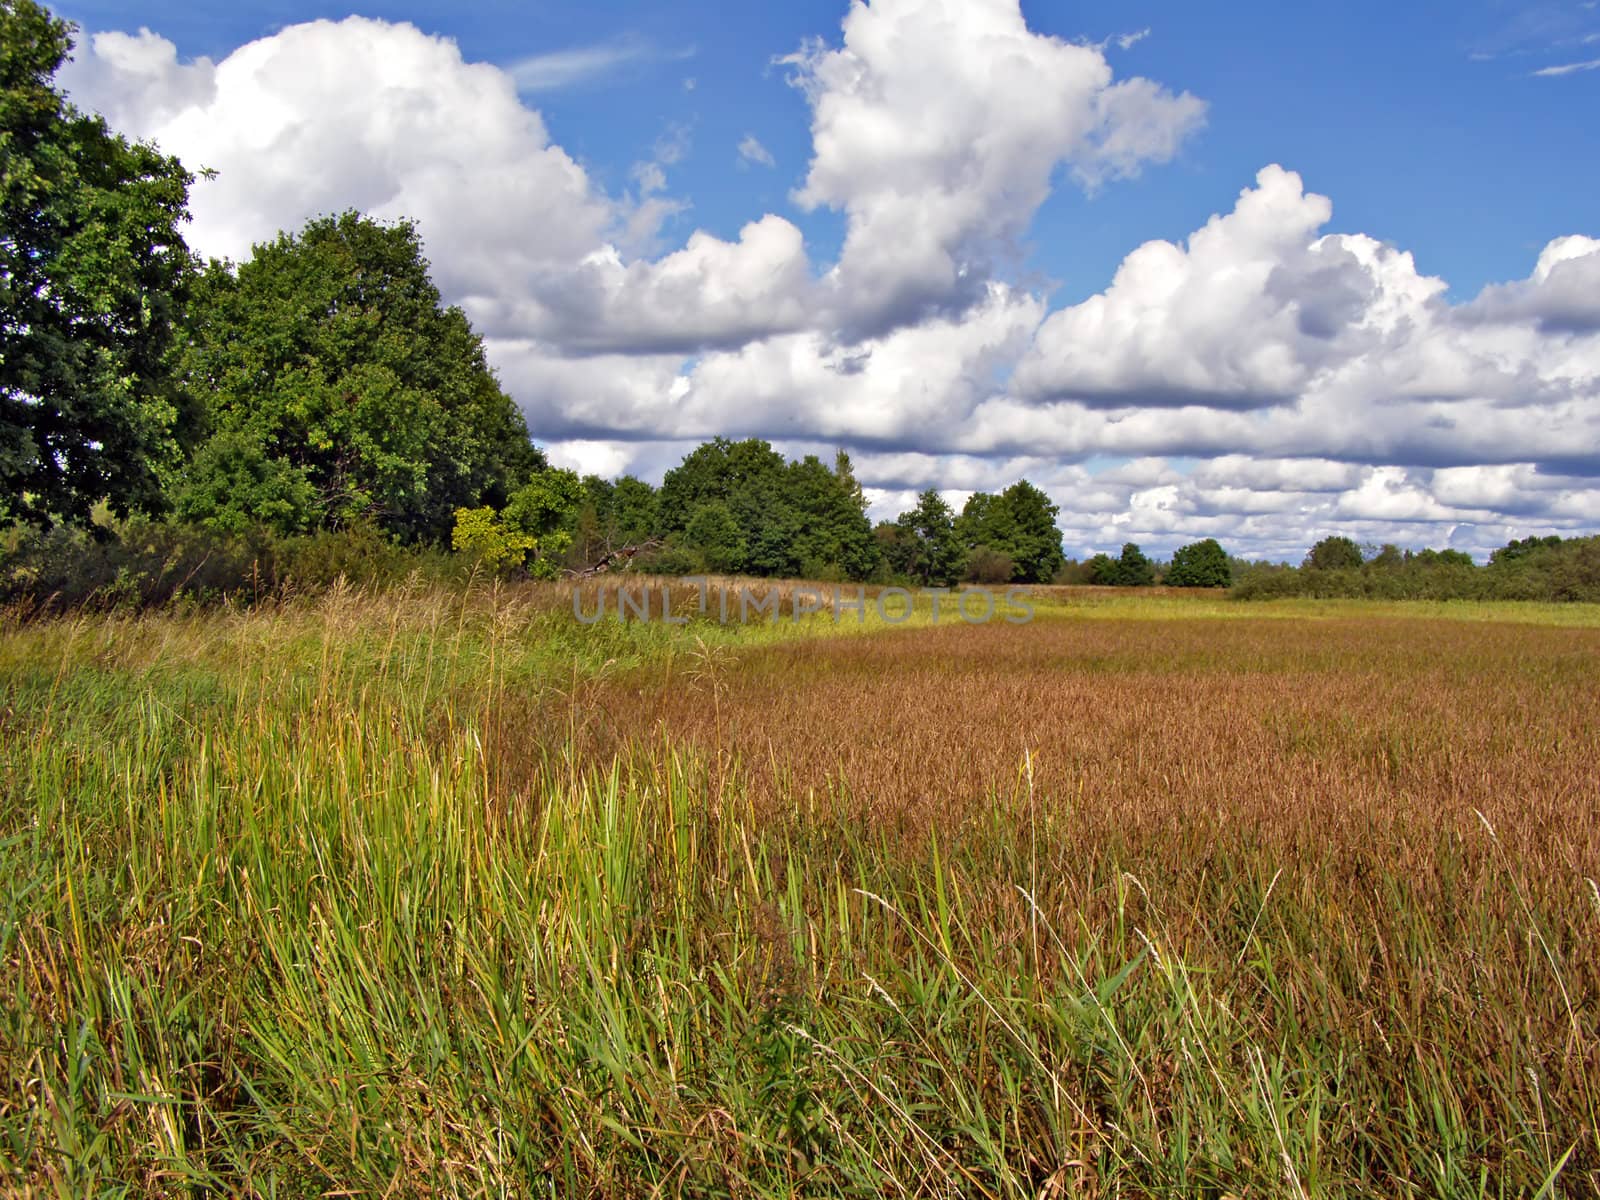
93, 274
1200, 564
1334, 554
1132, 569
335, 387
928, 549
790, 518
1019, 524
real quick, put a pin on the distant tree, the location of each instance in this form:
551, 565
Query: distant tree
1200, 564
937, 558
633, 510
897, 550
833, 537
1388, 557
858, 549
751, 480
330, 355
1133, 568
93, 274
1104, 571
1441, 558
714, 534
1524, 548
1019, 523
1334, 554
611, 516
1035, 541
983, 521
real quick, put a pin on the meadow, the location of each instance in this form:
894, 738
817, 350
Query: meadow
438, 892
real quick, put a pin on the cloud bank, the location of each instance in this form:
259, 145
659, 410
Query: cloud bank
1263, 381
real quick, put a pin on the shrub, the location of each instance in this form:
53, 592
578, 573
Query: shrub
989, 566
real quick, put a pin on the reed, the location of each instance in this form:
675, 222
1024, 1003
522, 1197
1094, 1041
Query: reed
436, 893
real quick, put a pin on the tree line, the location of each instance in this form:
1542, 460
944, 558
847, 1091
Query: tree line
170, 425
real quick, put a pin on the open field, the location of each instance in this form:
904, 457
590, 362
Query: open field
424, 893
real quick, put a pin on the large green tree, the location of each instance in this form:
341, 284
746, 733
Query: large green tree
751, 480
93, 272
834, 537
1132, 569
1200, 564
1035, 546
330, 369
1019, 523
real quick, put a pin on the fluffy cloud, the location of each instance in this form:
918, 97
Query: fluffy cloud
1562, 295
1253, 311
356, 114
936, 128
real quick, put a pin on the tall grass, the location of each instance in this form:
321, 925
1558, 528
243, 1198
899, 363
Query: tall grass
282, 913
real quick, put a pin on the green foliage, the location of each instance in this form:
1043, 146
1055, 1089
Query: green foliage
140, 564
545, 503
1200, 564
93, 272
834, 538
534, 531
1540, 569
928, 549
896, 550
1103, 570
792, 518
749, 478
489, 540
1019, 523
1524, 548
234, 485
1387, 558
1549, 568
1440, 558
331, 354
1035, 545
1133, 568
610, 516
1334, 554
715, 535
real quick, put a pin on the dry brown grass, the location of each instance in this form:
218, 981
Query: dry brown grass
1376, 807
1314, 735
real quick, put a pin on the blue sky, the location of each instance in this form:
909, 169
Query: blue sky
1463, 134
1424, 120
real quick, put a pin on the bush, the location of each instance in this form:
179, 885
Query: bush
140, 563
989, 566
491, 543
671, 559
